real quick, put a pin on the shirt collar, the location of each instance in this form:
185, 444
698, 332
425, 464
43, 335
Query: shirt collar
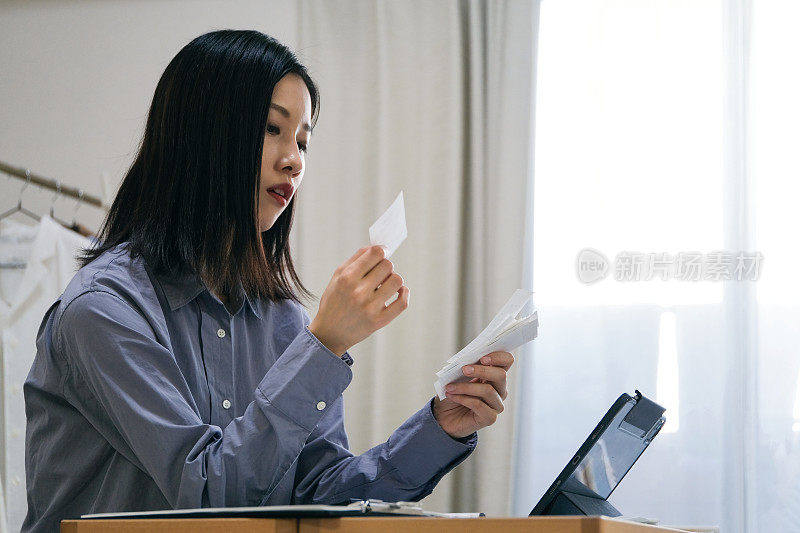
253, 305
180, 289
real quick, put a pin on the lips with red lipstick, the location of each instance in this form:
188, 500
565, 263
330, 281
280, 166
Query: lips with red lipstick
281, 193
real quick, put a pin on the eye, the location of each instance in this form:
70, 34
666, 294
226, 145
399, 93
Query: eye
275, 130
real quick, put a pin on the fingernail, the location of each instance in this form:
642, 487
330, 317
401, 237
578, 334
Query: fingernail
468, 370
486, 360
450, 388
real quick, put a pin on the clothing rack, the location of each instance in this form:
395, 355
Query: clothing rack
49, 183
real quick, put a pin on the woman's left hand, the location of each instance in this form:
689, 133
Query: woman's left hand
475, 405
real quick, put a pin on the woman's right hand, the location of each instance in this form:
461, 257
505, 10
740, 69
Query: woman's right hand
353, 304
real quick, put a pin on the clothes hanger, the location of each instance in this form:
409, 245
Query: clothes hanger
77, 206
67, 225
18, 208
75, 225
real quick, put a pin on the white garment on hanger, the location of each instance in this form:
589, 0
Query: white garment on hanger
3, 517
25, 295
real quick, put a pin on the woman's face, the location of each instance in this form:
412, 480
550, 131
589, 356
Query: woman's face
285, 142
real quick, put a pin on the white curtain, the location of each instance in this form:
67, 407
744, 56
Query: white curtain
432, 98
669, 128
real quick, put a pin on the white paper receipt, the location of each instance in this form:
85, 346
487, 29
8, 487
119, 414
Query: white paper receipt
507, 331
389, 231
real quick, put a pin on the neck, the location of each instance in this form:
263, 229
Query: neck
221, 297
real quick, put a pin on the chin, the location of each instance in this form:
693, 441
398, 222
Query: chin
268, 219
268, 225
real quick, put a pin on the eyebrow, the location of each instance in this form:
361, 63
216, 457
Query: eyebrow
283, 111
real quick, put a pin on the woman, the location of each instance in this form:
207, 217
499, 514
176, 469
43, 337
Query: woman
178, 369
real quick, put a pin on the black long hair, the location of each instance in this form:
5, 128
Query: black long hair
189, 201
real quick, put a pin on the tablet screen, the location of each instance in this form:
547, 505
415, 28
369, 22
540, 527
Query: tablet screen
608, 460
611, 450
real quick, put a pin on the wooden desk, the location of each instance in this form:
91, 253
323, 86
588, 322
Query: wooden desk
543, 524
557, 524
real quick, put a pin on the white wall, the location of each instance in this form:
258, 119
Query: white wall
77, 78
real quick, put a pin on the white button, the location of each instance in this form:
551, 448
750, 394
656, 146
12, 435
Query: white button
220, 333
321, 406
226, 404
16, 481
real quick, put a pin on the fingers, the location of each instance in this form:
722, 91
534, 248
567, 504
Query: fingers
502, 359
397, 306
379, 278
484, 415
483, 399
494, 375
483, 391
390, 286
493, 369
365, 262
379, 273
355, 256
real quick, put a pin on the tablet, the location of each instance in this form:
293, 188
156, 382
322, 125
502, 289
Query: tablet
603, 460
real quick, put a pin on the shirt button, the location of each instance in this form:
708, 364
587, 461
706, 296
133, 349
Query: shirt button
226, 403
321, 406
220, 333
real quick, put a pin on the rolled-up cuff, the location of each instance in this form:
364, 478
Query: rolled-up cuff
305, 380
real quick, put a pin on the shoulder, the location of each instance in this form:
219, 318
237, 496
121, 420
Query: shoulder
114, 277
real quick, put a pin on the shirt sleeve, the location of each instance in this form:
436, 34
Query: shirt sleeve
406, 467
112, 350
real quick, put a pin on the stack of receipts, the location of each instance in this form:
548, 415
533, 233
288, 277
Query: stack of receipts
507, 331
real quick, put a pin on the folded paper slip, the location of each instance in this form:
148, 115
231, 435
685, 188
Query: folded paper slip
506, 332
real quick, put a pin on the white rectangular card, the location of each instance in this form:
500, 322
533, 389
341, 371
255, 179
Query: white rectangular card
389, 231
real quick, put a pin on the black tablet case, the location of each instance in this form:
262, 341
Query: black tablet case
618, 441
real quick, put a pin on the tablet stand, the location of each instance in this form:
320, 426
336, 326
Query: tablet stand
569, 503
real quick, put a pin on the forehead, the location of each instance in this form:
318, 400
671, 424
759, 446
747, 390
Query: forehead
292, 95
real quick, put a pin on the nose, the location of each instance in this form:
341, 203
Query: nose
291, 163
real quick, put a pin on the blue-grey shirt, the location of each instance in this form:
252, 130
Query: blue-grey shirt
148, 393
